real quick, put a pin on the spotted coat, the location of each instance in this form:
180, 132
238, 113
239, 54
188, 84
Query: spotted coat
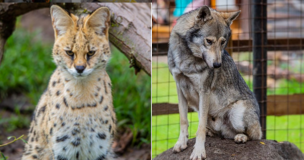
74, 118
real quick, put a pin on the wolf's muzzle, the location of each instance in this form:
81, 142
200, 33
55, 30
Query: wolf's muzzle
217, 65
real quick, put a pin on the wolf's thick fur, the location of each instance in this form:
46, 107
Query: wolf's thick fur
208, 81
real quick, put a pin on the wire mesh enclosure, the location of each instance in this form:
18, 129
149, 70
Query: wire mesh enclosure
267, 44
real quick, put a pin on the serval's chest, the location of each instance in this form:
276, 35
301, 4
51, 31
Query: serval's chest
82, 117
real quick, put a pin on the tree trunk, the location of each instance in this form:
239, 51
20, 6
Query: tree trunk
130, 28
8, 14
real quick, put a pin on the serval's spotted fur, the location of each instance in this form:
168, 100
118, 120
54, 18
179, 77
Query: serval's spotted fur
74, 118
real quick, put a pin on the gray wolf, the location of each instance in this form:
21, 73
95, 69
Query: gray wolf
208, 81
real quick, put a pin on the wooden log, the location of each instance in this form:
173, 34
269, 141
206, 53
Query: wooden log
130, 30
8, 14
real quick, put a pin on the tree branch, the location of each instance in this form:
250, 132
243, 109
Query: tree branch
8, 14
130, 30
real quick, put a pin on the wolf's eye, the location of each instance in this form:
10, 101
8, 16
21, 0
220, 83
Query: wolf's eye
223, 42
209, 41
70, 53
91, 53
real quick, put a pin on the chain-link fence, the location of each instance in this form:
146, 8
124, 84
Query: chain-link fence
267, 44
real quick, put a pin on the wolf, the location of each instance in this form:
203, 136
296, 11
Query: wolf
208, 81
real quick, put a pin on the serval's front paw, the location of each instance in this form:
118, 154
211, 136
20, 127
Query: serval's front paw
180, 145
198, 152
240, 138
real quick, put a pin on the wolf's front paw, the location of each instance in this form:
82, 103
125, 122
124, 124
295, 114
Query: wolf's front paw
198, 152
209, 133
179, 146
240, 138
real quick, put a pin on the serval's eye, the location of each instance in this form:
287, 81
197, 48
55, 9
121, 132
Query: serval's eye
223, 42
91, 53
209, 41
70, 53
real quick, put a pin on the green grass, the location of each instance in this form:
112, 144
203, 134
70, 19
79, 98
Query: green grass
28, 65
165, 131
165, 128
163, 84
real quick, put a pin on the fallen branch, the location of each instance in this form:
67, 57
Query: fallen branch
130, 30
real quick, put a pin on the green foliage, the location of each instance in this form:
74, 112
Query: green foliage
28, 65
3, 157
131, 96
15, 122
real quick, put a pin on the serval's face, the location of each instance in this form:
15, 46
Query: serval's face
81, 43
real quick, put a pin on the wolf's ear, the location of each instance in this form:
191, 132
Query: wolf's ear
61, 20
99, 21
204, 14
230, 17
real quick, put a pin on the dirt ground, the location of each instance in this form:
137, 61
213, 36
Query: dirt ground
226, 149
40, 20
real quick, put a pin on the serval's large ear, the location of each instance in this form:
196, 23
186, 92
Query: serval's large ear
204, 14
61, 20
99, 21
230, 17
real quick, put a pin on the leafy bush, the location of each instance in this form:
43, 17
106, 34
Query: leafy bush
131, 96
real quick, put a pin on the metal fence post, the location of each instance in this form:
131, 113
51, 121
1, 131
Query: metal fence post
259, 42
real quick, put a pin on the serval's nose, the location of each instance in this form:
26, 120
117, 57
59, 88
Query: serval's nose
80, 69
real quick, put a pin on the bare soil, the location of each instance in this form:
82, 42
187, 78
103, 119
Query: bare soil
227, 149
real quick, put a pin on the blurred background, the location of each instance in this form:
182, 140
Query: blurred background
24, 74
284, 93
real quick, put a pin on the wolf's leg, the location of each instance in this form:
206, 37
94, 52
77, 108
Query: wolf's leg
254, 131
236, 117
199, 151
209, 133
242, 116
181, 144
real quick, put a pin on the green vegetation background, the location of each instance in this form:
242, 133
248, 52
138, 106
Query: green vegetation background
27, 66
